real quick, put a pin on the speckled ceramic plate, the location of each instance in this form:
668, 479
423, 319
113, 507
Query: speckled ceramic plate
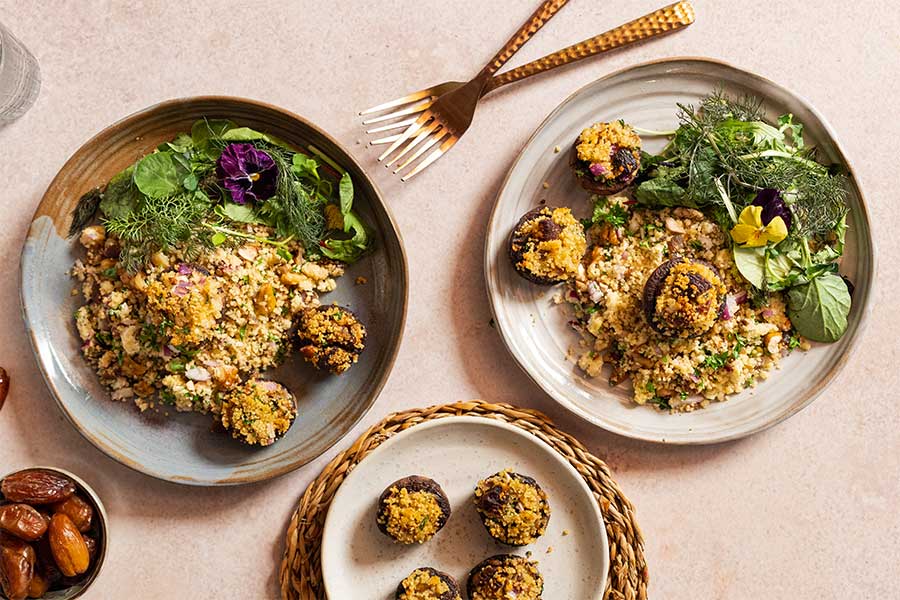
360, 562
535, 330
182, 448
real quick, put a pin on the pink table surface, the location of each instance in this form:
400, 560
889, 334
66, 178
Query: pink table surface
807, 510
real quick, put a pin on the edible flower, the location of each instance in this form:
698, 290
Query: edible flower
247, 173
765, 220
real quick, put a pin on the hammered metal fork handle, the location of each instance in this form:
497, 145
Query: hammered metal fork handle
537, 20
665, 20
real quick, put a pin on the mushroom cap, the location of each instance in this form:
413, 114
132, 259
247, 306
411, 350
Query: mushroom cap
695, 296
451, 594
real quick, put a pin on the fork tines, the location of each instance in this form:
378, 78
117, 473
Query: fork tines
422, 130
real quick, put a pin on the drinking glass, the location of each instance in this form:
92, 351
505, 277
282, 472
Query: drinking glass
20, 77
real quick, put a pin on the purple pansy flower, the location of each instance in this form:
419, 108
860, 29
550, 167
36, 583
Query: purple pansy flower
247, 173
772, 206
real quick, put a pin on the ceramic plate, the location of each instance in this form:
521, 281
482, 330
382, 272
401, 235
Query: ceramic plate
457, 452
535, 330
182, 448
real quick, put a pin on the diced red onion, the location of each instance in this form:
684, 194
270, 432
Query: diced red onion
184, 269
597, 169
768, 313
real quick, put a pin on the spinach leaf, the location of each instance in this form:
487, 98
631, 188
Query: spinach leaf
245, 134
819, 309
345, 190
661, 192
158, 175
751, 263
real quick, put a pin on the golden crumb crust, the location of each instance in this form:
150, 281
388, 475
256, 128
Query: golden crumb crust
689, 299
426, 584
410, 517
598, 143
513, 507
331, 338
548, 245
505, 577
258, 412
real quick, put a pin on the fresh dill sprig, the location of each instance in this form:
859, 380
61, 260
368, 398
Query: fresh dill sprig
158, 224
723, 153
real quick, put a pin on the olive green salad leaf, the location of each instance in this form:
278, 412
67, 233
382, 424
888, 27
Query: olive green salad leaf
158, 175
178, 196
724, 157
819, 309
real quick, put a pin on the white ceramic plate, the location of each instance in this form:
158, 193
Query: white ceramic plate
360, 562
535, 330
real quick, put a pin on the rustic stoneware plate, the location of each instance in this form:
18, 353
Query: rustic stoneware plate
182, 448
535, 330
457, 452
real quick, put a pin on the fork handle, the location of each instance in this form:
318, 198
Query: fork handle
537, 20
665, 20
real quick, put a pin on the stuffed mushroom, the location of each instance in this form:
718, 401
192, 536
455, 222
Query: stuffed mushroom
505, 576
607, 157
683, 298
331, 338
412, 510
258, 412
547, 245
426, 583
513, 508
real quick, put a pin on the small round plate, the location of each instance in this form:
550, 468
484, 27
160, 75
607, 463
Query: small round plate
536, 331
457, 452
181, 448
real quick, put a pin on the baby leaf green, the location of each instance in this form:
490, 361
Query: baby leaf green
345, 190
819, 309
158, 175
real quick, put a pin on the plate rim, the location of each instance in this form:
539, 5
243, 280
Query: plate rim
474, 420
233, 480
821, 385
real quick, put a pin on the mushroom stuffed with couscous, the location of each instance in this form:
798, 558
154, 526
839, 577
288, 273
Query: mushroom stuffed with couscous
607, 157
547, 245
412, 510
258, 412
426, 583
683, 298
505, 576
513, 508
331, 338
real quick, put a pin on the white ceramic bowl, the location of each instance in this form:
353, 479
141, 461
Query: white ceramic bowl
360, 562
535, 330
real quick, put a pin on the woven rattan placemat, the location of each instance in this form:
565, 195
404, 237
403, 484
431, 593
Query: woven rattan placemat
301, 569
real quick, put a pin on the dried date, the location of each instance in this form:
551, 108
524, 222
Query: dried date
16, 566
78, 510
22, 521
39, 586
37, 486
4, 385
68, 547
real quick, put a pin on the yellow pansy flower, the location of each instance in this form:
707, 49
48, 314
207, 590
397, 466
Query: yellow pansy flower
751, 232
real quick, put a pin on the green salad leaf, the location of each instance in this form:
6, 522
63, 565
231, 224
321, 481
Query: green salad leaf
158, 175
751, 264
345, 190
819, 309
352, 249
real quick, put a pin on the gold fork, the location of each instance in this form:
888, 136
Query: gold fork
443, 113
